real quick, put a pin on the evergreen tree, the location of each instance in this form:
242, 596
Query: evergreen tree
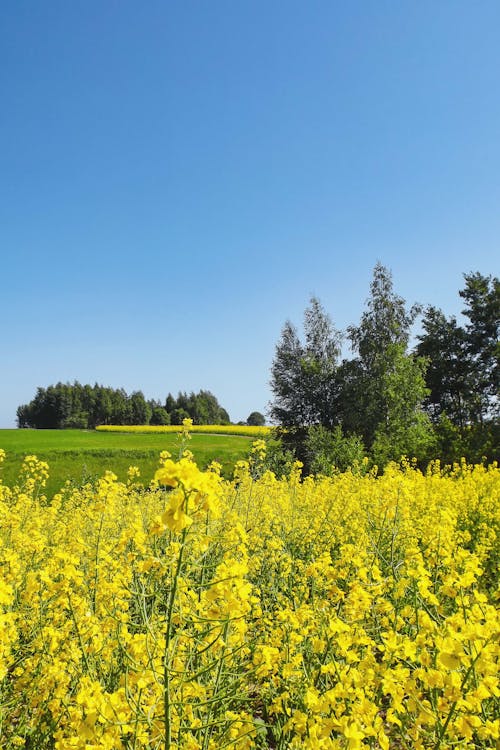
464, 362
463, 372
482, 298
140, 411
448, 377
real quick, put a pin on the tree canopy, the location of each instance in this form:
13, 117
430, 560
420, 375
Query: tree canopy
381, 342
66, 405
441, 399
303, 373
256, 419
464, 361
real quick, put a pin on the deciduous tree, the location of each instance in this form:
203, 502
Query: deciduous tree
380, 341
303, 375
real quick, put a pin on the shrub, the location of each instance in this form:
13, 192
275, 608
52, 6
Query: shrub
331, 450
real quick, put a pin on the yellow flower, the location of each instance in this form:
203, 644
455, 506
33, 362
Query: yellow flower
174, 516
167, 474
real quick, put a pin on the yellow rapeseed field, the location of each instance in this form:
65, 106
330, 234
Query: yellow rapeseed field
211, 429
358, 611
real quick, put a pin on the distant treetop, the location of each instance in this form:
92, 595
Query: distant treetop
256, 419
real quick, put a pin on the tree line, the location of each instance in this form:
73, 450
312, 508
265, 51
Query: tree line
77, 406
439, 399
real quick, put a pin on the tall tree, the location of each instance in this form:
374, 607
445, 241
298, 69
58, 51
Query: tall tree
464, 361
448, 377
140, 410
406, 429
482, 308
303, 375
203, 408
380, 340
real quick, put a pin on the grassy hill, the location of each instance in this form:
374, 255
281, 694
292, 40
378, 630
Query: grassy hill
80, 455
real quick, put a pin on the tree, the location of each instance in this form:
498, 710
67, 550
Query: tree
443, 399
464, 371
159, 416
406, 430
287, 408
332, 450
203, 408
448, 377
170, 403
85, 406
256, 419
100, 406
482, 298
464, 362
303, 375
178, 416
140, 410
24, 417
380, 340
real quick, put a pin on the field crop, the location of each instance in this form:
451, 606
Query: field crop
358, 611
212, 429
82, 455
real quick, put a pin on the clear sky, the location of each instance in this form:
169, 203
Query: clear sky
178, 178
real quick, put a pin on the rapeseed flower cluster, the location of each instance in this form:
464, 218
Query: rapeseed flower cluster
359, 611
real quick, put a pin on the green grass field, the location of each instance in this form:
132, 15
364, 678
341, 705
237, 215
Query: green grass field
82, 455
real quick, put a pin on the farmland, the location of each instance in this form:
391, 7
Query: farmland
357, 611
80, 455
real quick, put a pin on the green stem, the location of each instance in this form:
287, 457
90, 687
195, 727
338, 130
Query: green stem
96, 563
168, 637
206, 738
78, 635
442, 730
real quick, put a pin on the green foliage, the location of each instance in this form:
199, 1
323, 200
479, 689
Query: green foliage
406, 430
448, 379
442, 400
140, 410
179, 415
381, 341
65, 406
201, 407
464, 369
159, 416
277, 457
482, 298
331, 450
450, 440
77, 421
256, 419
463, 375
417, 440
303, 374
204, 408
476, 442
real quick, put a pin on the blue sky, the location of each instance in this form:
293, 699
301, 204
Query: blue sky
178, 178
